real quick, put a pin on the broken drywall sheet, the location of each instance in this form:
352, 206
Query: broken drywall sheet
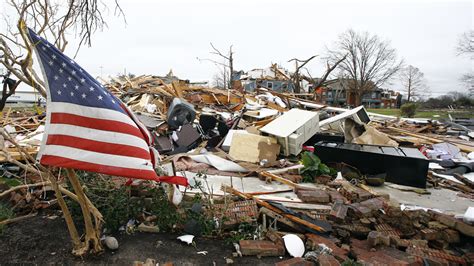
218, 162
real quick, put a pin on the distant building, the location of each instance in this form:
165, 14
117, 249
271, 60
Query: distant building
274, 78
335, 93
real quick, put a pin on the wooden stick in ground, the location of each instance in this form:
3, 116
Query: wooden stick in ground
92, 235
76, 241
270, 207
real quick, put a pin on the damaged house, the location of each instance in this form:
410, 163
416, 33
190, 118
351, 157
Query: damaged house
274, 78
337, 93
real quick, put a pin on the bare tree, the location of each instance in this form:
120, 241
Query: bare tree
370, 61
296, 77
465, 47
466, 44
220, 78
53, 20
413, 82
228, 64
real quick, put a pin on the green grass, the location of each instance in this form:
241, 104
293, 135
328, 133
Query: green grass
425, 113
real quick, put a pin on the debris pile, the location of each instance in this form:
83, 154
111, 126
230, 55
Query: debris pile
321, 184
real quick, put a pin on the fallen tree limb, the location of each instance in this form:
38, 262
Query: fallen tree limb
6, 192
17, 219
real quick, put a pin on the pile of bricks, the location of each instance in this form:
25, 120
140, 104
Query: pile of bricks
366, 229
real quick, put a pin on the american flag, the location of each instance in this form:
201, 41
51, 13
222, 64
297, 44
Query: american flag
87, 127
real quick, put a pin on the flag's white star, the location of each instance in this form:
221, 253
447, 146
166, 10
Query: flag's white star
69, 78
53, 56
83, 80
74, 72
60, 70
64, 85
47, 45
99, 97
72, 61
113, 101
63, 64
72, 93
84, 96
59, 92
80, 70
50, 62
56, 77
91, 88
44, 48
76, 87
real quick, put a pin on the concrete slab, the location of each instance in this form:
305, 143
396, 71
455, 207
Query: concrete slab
443, 199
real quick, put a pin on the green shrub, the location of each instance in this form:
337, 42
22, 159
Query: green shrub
313, 167
5, 213
115, 203
167, 213
408, 109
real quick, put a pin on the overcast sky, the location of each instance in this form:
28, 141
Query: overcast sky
164, 35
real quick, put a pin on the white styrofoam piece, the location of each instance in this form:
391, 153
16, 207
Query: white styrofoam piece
294, 245
289, 122
469, 215
186, 238
263, 113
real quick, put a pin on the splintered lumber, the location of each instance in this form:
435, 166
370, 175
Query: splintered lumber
462, 147
270, 207
279, 179
466, 181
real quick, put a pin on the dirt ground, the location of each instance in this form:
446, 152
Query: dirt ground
40, 240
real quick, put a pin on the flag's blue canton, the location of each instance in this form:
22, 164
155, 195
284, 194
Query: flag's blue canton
68, 82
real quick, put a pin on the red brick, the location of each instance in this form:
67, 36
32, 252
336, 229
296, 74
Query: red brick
387, 229
338, 212
259, 248
429, 234
327, 260
313, 196
336, 196
376, 238
277, 239
469, 258
451, 236
365, 208
433, 253
313, 241
382, 256
453, 223
294, 262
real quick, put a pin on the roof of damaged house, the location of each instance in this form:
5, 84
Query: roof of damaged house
273, 72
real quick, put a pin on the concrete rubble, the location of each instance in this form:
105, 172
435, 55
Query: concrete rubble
400, 198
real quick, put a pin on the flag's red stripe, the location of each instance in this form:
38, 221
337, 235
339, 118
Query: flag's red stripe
111, 170
138, 123
178, 180
98, 146
95, 123
99, 168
